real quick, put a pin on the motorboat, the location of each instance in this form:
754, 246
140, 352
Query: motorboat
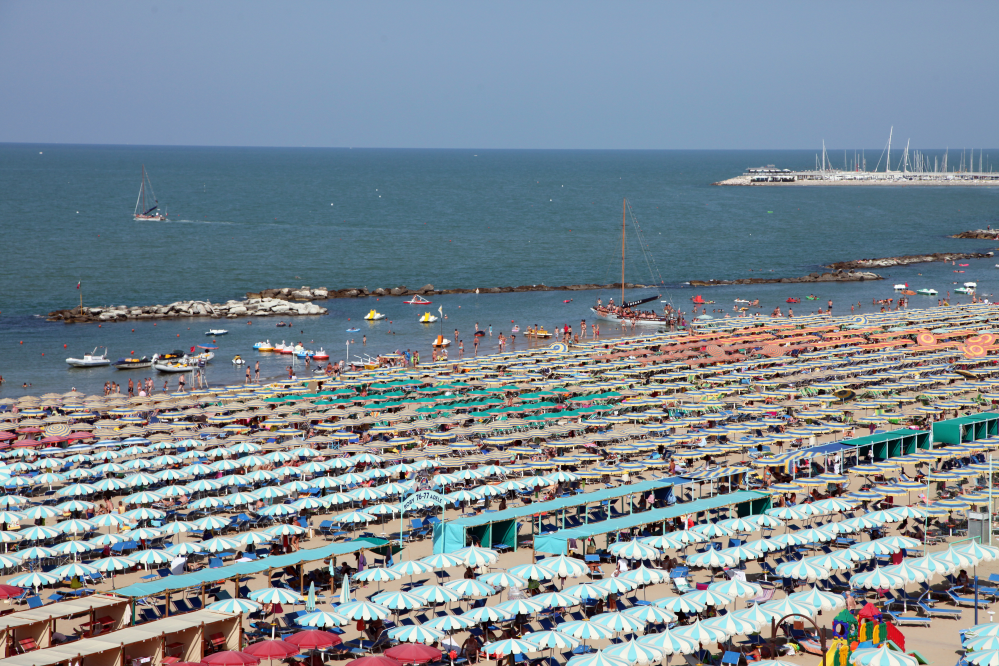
964, 290
216, 331
971, 285
321, 355
374, 316
91, 360
900, 287
417, 300
133, 363
927, 292
238, 360
427, 318
183, 365
175, 355
264, 346
441, 341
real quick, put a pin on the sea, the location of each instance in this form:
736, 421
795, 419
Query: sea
246, 219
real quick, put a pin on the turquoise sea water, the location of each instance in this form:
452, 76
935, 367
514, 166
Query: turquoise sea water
248, 219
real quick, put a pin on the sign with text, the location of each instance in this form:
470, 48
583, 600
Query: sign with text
423, 497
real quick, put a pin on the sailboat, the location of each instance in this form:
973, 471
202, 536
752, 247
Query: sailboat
146, 206
627, 313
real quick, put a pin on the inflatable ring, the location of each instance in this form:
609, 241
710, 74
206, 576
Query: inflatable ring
926, 339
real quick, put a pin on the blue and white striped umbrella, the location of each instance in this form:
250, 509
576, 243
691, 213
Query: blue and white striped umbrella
669, 643
535, 571
475, 556
411, 567
376, 575
36, 532
597, 658
909, 572
72, 570
449, 623
41, 511
562, 566
184, 548
152, 556
363, 610
986, 629
975, 550
285, 530
353, 517
679, 605
712, 558
585, 630
396, 600
509, 646
436, 594
503, 579
279, 510
884, 656
442, 560
586, 591
740, 525
145, 513
552, 640
802, 570
471, 588
415, 633
979, 643
522, 606
735, 588
617, 585
819, 599
321, 618
107, 539
645, 576
782, 607
556, 600
38, 553
486, 614
34, 579
712, 530
73, 547
619, 622
650, 614
877, 579
700, 632
954, 559
731, 625
234, 606
634, 550
276, 595
708, 598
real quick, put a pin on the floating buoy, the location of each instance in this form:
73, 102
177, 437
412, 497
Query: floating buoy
178, 335
43, 353
22, 342
64, 346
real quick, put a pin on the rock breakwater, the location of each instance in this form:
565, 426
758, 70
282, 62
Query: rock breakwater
982, 234
835, 276
307, 293
251, 307
905, 260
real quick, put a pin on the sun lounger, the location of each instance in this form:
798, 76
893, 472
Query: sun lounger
930, 611
966, 601
908, 620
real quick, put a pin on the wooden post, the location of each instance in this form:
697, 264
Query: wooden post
167, 605
202, 595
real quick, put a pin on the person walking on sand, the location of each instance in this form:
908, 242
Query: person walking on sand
256, 372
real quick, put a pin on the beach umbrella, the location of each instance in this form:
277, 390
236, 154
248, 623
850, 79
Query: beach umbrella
535, 571
882, 656
441, 561
222, 545
271, 650
234, 606
802, 570
634, 550
415, 634
987, 657
503, 579
562, 566
979, 643
398, 600
645, 576
619, 622
679, 605
586, 591
448, 623
152, 556
788, 512
782, 607
977, 551
819, 599
36, 532
752, 614
314, 640
953, 559
276, 595
475, 556
73, 570
986, 629
735, 588
597, 658
35, 579
376, 575
73, 548
145, 513
508, 646
708, 597
435, 594
230, 658
700, 632
487, 614
363, 610
413, 653
585, 630
184, 548
552, 640
669, 642
555, 600
321, 618
731, 625
617, 585
37, 553
635, 653
471, 588
712, 530
41, 511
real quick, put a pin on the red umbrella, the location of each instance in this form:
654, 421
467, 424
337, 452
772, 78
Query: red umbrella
231, 658
375, 660
414, 653
272, 649
314, 639
80, 435
9, 591
7, 435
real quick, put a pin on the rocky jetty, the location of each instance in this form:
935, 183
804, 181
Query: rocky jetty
251, 307
905, 260
306, 293
835, 276
981, 234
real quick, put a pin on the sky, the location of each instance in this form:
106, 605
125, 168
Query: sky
554, 74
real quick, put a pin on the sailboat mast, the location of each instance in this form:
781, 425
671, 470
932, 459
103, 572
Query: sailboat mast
143, 188
624, 205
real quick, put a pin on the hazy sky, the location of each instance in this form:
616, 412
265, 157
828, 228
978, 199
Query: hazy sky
500, 74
